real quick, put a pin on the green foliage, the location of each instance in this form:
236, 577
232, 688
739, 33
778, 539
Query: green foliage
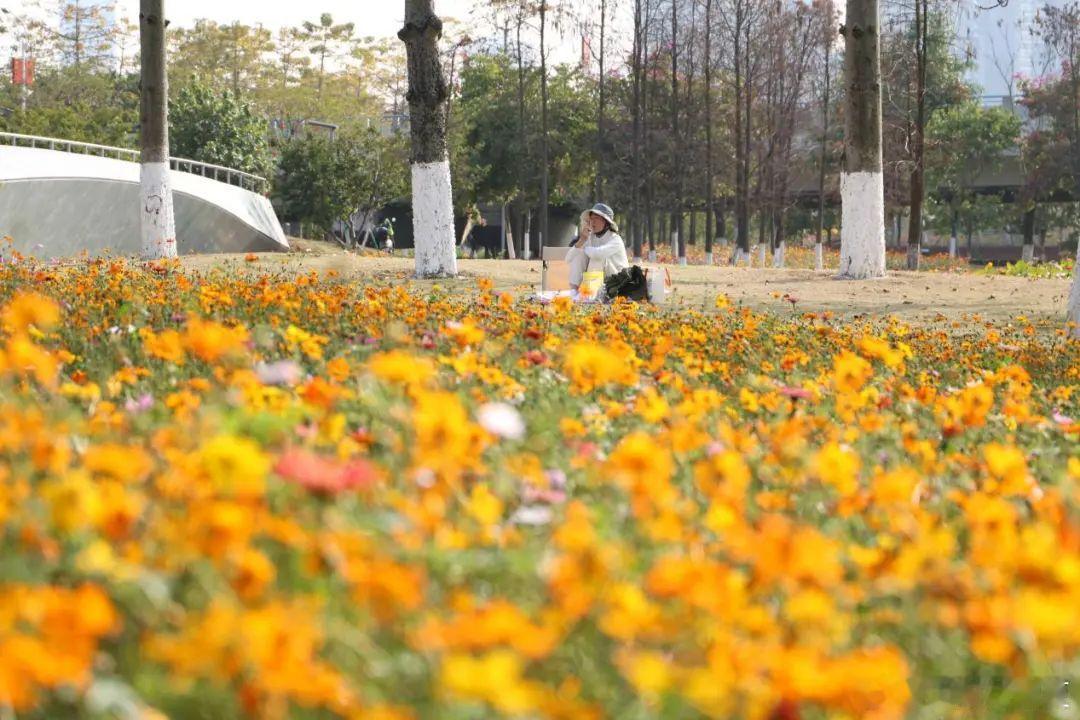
101, 124
489, 106
963, 142
219, 128
1061, 270
322, 181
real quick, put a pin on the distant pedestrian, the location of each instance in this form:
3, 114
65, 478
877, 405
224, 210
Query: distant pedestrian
387, 229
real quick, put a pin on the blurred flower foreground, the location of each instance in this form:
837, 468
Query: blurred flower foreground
237, 495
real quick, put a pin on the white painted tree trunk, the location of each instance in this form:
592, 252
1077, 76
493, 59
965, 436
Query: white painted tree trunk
433, 220
1028, 253
1074, 298
778, 258
761, 253
675, 243
819, 257
740, 256
952, 247
158, 217
709, 259
652, 256
862, 234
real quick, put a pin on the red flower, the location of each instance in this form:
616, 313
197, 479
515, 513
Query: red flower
536, 357
324, 475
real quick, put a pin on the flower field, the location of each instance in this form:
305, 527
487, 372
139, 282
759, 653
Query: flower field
244, 495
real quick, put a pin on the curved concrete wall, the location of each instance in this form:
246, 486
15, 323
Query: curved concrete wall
57, 204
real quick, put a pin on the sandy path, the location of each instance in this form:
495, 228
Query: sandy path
910, 295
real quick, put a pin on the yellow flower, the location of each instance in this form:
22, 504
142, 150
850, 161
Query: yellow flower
167, 346
878, 349
308, 343
484, 506
590, 366
839, 467
74, 501
649, 672
629, 613
401, 368
850, 372
1008, 466
236, 465
495, 678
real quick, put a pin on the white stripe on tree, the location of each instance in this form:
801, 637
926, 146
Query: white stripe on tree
158, 217
862, 231
433, 220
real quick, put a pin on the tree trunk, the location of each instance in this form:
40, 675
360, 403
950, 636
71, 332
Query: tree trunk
862, 234
544, 145
710, 202
742, 215
1029, 235
678, 234
598, 188
158, 222
818, 251
523, 140
635, 181
1074, 298
918, 175
433, 212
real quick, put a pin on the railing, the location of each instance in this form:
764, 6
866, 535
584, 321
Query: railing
247, 181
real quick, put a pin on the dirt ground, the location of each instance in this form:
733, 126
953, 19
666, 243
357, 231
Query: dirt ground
910, 295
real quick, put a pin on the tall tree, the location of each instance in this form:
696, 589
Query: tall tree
601, 110
328, 39
918, 171
677, 229
828, 17
710, 191
433, 211
545, 140
862, 239
156, 197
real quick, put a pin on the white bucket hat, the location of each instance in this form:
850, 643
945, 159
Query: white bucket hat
605, 212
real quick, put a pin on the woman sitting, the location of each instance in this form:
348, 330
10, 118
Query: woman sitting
597, 246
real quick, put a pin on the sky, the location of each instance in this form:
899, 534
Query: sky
372, 17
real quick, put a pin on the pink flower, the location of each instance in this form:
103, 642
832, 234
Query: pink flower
284, 372
323, 475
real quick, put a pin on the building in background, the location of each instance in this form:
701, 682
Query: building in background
1001, 40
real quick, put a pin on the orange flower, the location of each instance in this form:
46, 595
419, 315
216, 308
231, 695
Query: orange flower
211, 341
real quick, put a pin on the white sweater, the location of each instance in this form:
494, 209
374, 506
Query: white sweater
606, 252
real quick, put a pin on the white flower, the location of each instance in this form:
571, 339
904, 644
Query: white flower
502, 420
532, 515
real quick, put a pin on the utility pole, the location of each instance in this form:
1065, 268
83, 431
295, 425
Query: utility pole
158, 221
862, 189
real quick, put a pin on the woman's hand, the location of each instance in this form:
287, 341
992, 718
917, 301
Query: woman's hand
584, 230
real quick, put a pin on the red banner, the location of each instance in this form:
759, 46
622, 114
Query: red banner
22, 71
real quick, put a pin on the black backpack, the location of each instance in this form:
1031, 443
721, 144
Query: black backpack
629, 283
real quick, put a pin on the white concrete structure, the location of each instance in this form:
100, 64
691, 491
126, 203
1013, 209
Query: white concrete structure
61, 204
